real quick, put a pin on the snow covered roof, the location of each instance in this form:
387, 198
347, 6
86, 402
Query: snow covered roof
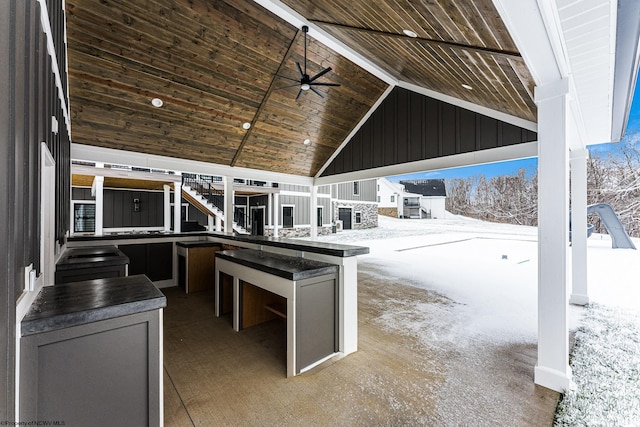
426, 187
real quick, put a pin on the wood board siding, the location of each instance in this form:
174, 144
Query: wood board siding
28, 101
409, 127
368, 191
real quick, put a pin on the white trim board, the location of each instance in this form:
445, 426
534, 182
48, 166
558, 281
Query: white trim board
110, 155
500, 154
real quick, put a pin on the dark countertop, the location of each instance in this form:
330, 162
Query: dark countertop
332, 249
79, 303
200, 244
74, 258
288, 267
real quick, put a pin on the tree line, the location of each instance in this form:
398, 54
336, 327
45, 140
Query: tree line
613, 178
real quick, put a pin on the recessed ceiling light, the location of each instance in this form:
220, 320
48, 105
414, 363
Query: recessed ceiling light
246, 125
306, 141
409, 33
467, 86
157, 102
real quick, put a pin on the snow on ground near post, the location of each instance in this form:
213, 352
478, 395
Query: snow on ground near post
489, 271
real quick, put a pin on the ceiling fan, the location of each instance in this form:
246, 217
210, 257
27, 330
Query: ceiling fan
306, 82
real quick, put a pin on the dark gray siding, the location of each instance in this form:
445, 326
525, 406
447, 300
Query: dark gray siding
118, 209
28, 100
408, 127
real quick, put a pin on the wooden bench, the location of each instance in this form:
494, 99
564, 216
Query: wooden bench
302, 291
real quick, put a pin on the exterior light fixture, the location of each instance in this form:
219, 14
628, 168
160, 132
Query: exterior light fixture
157, 102
410, 33
467, 86
246, 125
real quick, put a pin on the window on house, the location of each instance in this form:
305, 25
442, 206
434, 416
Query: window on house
393, 199
287, 216
319, 219
356, 188
358, 217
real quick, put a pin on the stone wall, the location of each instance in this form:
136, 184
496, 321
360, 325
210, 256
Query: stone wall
369, 213
297, 231
392, 212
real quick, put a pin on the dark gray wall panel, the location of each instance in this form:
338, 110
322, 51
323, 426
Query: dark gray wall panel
118, 209
409, 127
28, 101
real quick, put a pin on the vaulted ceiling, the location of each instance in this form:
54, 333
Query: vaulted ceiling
215, 64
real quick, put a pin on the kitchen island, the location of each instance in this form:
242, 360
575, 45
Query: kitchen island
343, 256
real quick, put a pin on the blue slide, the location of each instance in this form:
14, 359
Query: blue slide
619, 237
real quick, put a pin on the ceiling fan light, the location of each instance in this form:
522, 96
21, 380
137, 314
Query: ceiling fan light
409, 33
305, 86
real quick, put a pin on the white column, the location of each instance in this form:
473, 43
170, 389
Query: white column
554, 274
276, 213
579, 292
167, 208
97, 189
270, 209
228, 204
218, 224
210, 223
314, 211
177, 207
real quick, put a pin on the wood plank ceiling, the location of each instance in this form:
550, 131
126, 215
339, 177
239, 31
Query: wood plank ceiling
213, 62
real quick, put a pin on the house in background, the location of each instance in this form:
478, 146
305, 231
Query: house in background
412, 199
259, 208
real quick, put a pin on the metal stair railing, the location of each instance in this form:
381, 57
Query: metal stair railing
215, 197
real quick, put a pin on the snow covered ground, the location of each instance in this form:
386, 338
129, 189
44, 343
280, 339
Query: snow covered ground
489, 271
489, 268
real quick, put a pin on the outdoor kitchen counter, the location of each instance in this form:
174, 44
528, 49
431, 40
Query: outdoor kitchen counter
78, 303
93, 351
324, 248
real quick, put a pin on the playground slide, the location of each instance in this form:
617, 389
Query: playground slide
619, 237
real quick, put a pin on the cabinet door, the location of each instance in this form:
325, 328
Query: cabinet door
159, 261
137, 258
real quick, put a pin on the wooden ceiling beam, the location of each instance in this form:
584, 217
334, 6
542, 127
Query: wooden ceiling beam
264, 100
432, 42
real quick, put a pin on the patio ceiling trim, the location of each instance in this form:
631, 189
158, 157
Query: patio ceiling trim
129, 158
500, 154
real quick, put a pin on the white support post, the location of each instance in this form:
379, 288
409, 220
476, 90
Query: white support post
579, 293
228, 204
554, 274
177, 207
210, 223
314, 211
270, 209
218, 224
98, 192
167, 208
276, 213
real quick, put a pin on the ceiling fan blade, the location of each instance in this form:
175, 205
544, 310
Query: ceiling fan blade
325, 84
285, 77
300, 70
316, 92
299, 92
320, 74
286, 87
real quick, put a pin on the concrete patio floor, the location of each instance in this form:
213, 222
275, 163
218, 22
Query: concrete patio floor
217, 377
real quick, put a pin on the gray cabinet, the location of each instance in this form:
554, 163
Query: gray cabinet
95, 359
155, 260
